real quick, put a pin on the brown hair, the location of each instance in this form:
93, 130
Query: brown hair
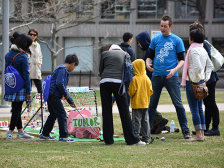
196, 25
33, 30
165, 18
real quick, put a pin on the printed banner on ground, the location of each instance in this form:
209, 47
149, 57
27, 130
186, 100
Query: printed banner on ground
86, 122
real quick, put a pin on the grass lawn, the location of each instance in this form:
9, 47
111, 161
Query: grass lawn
173, 152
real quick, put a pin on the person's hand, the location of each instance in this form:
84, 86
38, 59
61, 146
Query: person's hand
149, 67
73, 105
28, 97
172, 72
67, 97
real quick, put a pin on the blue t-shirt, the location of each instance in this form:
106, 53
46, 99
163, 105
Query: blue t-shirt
166, 49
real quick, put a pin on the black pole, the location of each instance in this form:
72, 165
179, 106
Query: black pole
42, 115
90, 74
80, 75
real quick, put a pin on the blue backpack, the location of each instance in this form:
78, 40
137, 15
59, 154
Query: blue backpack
13, 80
128, 70
127, 75
46, 87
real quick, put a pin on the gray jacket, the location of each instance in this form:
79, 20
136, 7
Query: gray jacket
111, 64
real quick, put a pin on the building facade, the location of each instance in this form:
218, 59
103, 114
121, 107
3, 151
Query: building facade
101, 23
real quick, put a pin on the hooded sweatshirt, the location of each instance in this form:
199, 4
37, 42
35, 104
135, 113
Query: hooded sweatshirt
145, 40
59, 82
140, 88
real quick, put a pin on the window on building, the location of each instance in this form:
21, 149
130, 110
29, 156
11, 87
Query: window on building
1, 56
218, 9
14, 8
37, 8
79, 8
218, 43
83, 47
151, 9
186, 9
115, 9
46, 60
105, 43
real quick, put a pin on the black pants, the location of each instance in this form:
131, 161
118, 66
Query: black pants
211, 109
106, 90
16, 120
57, 111
38, 84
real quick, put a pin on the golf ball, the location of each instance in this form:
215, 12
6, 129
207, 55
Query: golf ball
162, 139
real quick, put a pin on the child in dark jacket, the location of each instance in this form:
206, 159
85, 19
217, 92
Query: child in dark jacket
140, 90
59, 82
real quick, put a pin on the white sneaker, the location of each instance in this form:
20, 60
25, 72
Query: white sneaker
141, 143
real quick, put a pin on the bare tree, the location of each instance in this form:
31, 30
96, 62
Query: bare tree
61, 15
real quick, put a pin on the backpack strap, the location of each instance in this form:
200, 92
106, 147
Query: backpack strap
15, 57
122, 86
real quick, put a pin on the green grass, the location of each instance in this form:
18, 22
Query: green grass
165, 98
173, 152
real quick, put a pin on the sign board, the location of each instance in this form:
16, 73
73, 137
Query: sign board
155, 33
86, 122
78, 89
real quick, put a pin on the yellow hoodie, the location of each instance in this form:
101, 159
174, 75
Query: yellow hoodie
140, 88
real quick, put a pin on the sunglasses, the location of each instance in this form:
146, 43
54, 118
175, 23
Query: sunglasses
32, 34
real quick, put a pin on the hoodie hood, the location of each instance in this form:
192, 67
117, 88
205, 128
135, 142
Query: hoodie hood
14, 47
144, 39
139, 67
115, 47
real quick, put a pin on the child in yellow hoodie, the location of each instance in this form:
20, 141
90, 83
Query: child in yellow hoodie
140, 90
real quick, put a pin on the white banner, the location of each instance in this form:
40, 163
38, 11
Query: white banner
78, 89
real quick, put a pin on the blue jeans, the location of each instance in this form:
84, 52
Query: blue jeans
173, 87
56, 110
195, 107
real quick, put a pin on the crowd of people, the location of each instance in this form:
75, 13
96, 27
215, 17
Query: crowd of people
164, 56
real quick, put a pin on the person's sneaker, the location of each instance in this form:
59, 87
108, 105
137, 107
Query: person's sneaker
24, 136
9, 136
45, 138
140, 143
187, 135
66, 139
213, 132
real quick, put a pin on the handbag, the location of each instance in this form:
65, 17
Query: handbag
216, 58
13, 80
200, 91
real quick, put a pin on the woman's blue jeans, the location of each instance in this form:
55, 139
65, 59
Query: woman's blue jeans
195, 107
173, 87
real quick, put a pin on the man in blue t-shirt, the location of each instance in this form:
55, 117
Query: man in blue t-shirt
167, 53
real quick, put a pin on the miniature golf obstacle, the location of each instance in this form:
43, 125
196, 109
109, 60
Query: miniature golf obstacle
4, 124
84, 98
80, 124
34, 107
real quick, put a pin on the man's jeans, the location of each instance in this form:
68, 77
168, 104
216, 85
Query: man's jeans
196, 107
173, 87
